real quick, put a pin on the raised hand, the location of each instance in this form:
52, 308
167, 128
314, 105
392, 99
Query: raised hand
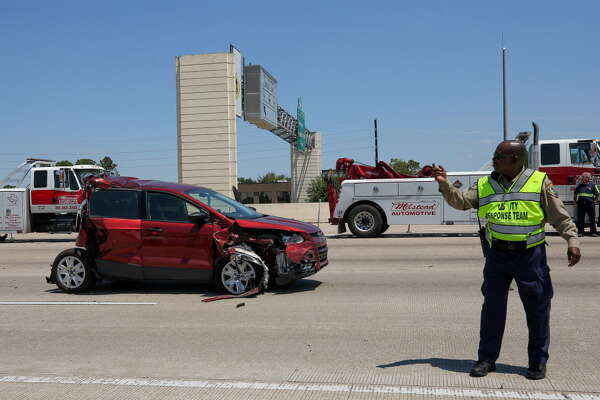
439, 173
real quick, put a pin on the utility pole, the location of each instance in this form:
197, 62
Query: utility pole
504, 109
376, 149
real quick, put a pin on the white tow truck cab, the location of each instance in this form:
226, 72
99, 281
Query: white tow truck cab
49, 199
370, 206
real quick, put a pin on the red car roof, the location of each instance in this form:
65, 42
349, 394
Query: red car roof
130, 182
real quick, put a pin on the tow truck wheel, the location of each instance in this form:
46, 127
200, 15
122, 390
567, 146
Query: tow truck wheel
3, 237
365, 221
71, 271
236, 277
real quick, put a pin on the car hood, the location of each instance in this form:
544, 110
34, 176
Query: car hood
271, 222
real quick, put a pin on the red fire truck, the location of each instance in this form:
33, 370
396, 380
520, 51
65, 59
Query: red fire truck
45, 198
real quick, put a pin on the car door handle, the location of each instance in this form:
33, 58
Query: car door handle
155, 230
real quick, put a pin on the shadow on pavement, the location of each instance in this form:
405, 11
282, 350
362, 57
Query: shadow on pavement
455, 365
302, 285
108, 288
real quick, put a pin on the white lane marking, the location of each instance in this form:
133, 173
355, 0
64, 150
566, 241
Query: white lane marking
74, 303
312, 387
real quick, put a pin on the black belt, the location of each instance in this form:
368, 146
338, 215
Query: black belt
506, 246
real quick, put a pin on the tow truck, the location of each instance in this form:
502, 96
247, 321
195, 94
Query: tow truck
45, 198
371, 198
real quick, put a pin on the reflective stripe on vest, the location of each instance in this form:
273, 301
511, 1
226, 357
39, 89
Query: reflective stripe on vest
514, 214
589, 190
584, 195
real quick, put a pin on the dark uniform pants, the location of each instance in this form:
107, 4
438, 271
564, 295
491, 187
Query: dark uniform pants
583, 208
530, 271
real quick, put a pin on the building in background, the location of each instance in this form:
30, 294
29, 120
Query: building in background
260, 193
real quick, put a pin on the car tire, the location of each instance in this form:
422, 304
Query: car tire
365, 221
3, 237
230, 276
385, 228
71, 271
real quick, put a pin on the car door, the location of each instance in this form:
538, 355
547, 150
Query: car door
115, 233
172, 246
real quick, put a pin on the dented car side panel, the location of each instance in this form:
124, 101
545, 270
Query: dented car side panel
117, 246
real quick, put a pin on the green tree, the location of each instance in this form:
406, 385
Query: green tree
85, 161
109, 166
410, 167
64, 163
317, 189
272, 177
246, 180
8, 187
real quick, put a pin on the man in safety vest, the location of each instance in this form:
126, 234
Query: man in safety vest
585, 193
516, 202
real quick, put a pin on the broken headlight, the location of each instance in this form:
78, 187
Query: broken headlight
293, 238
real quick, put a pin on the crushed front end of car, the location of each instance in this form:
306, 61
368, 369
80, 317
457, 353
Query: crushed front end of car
288, 254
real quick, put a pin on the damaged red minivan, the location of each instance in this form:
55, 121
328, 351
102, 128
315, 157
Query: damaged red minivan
132, 229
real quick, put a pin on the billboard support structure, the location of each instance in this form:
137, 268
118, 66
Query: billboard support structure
213, 90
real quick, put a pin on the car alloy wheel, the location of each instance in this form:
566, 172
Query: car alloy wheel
71, 272
238, 276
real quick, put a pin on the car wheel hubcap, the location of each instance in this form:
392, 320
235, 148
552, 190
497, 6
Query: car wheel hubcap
237, 276
364, 221
71, 272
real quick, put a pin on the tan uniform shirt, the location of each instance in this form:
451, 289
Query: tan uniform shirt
554, 209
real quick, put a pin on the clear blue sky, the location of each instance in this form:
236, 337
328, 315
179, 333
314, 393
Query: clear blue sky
88, 79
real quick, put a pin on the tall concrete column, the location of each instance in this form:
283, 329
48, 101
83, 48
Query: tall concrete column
206, 121
305, 167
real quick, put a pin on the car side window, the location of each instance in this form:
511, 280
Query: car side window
166, 207
194, 210
122, 204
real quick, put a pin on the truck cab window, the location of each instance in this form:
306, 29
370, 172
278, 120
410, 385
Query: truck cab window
40, 179
580, 153
72, 180
59, 179
550, 153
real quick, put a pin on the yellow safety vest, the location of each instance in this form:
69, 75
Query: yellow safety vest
513, 214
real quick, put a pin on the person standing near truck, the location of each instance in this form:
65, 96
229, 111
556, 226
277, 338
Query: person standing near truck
584, 196
516, 202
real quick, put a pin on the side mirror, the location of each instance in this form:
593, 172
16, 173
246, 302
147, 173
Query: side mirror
199, 218
252, 208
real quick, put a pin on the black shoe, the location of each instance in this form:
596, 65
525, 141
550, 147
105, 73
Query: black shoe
536, 372
481, 368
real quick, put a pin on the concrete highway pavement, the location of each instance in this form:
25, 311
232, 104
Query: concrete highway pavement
390, 317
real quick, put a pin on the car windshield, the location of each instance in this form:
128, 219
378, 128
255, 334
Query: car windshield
83, 174
223, 204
